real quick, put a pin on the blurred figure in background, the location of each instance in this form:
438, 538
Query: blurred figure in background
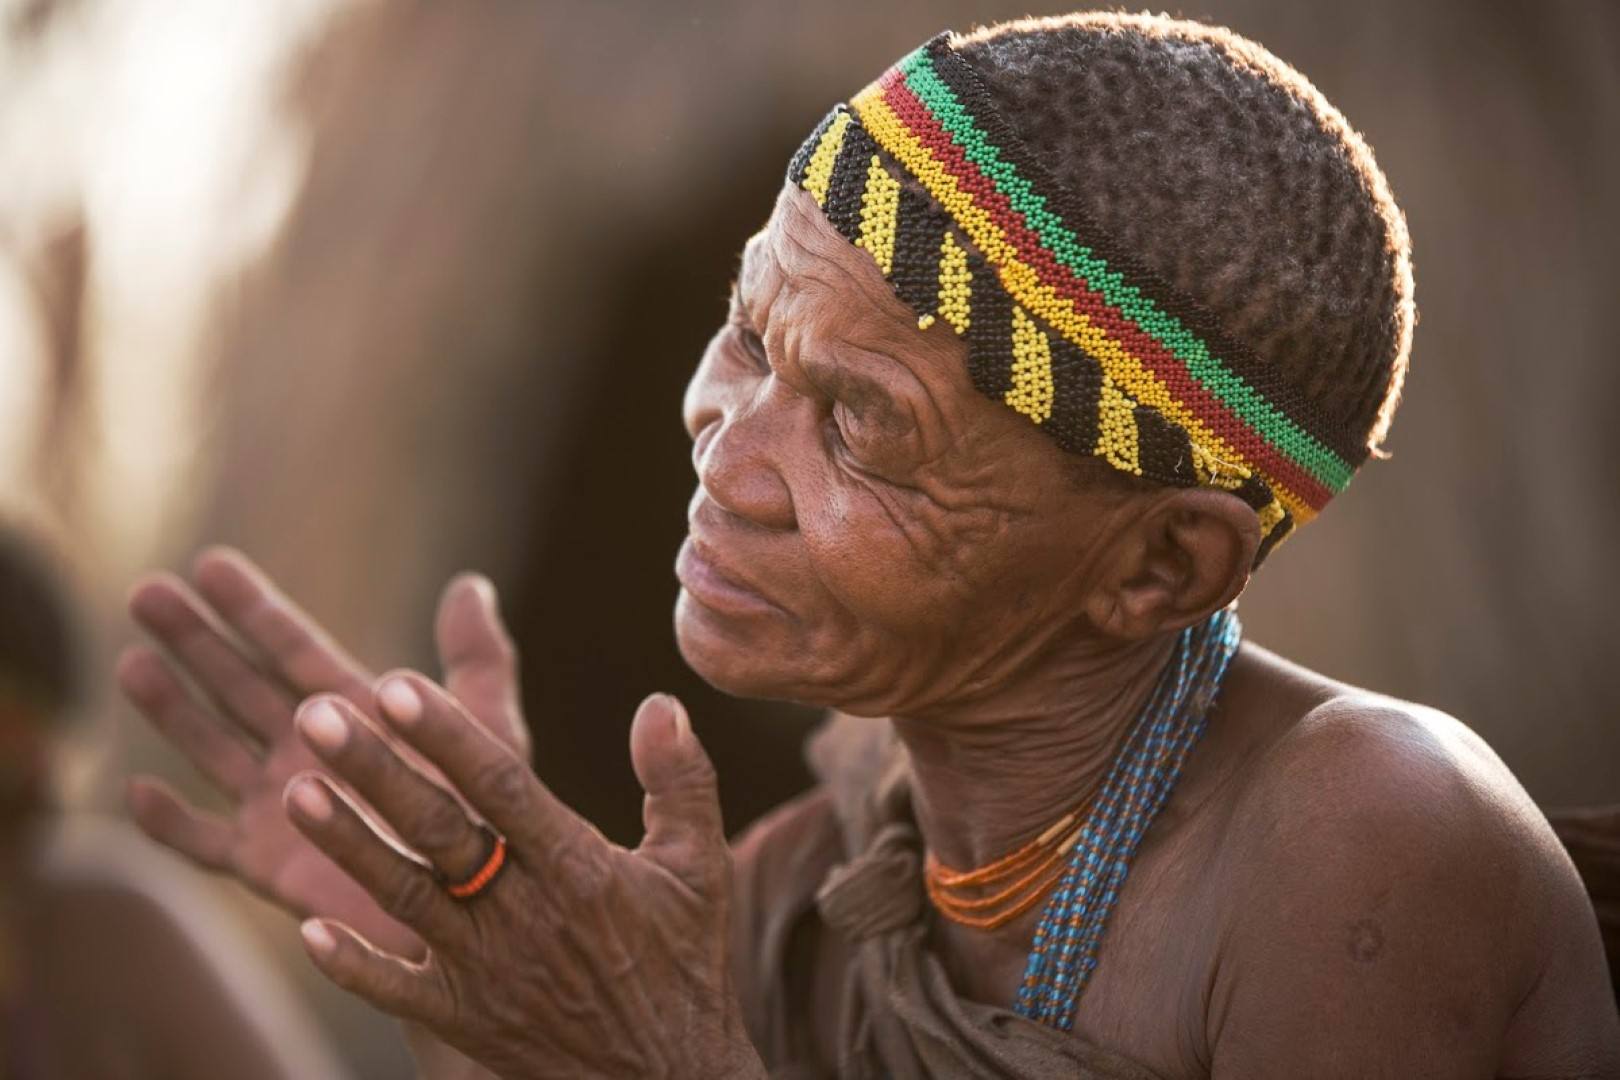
113, 962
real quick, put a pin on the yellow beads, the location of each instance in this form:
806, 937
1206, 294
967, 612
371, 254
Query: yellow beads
955, 283
1270, 514
880, 209
1116, 428
1123, 371
1031, 392
1213, 472
924, 321
818, 173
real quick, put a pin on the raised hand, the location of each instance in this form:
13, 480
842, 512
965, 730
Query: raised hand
252, 655
551, 950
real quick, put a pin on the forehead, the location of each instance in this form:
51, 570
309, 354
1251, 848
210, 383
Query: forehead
801, 269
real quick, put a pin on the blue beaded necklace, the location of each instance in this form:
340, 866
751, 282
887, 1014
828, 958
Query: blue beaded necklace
1136, 787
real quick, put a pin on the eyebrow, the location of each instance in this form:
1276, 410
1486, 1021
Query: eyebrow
833, 374
867, 393
840, 376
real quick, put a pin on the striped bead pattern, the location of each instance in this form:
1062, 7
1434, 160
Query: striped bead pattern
1126, 369
1139, 781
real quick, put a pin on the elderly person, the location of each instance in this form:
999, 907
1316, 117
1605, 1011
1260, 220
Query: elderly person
1055, 332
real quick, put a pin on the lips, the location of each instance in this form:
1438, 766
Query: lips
713, 584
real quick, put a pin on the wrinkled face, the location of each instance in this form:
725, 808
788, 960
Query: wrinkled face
868, 532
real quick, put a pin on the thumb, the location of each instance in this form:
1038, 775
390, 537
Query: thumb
479, 660
685, 833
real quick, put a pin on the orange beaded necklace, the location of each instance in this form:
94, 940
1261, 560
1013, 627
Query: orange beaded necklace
1019, 880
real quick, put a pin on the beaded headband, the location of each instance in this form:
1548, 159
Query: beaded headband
920, 172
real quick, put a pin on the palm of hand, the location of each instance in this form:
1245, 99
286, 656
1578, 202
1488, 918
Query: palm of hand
283, 657
611, 962
275, 860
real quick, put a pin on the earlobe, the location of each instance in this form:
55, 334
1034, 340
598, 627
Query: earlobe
1218, 535
1188, 556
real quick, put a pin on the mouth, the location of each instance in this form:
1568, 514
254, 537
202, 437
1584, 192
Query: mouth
704, 580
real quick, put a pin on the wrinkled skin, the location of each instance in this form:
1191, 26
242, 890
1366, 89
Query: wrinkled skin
870, 534
252, 756
532, 978
587, 959
908, 543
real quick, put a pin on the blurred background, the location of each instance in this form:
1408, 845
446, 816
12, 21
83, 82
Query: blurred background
382, 290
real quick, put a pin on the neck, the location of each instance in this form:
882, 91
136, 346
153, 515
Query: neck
990, 775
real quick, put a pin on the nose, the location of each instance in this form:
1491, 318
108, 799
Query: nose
740, 455
742, 436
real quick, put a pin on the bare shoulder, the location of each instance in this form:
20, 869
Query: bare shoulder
1395, 819
1393, 881
1389, 781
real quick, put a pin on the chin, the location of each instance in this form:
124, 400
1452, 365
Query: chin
723, 653
758, 659
743, 657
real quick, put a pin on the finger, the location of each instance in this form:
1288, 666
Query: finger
422, 813
203, 838
479, 661
685, 831
290, 641
392, 984
152, 688
402, 887
496, 783
168, 609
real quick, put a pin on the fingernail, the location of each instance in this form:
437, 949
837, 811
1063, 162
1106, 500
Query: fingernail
318, 937
400, 701
485, 589
324, 726
312, 800
679, 720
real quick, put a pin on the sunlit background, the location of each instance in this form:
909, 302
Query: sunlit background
379, 291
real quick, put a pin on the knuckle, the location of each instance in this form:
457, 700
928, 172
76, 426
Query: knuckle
502, 783
502, 653
581, 868
707, 869
441, 826
698, 772
410, 895
716, 869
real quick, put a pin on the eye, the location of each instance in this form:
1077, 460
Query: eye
844, 429
756, 348
752, 344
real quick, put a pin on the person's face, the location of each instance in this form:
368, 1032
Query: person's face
868, 532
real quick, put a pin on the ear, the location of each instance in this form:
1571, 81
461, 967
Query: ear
1186, 557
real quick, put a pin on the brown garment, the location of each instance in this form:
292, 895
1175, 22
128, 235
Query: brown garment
830, 931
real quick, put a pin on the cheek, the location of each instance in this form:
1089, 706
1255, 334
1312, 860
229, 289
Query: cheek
925, 602
893, 598
892, 553
872, 590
